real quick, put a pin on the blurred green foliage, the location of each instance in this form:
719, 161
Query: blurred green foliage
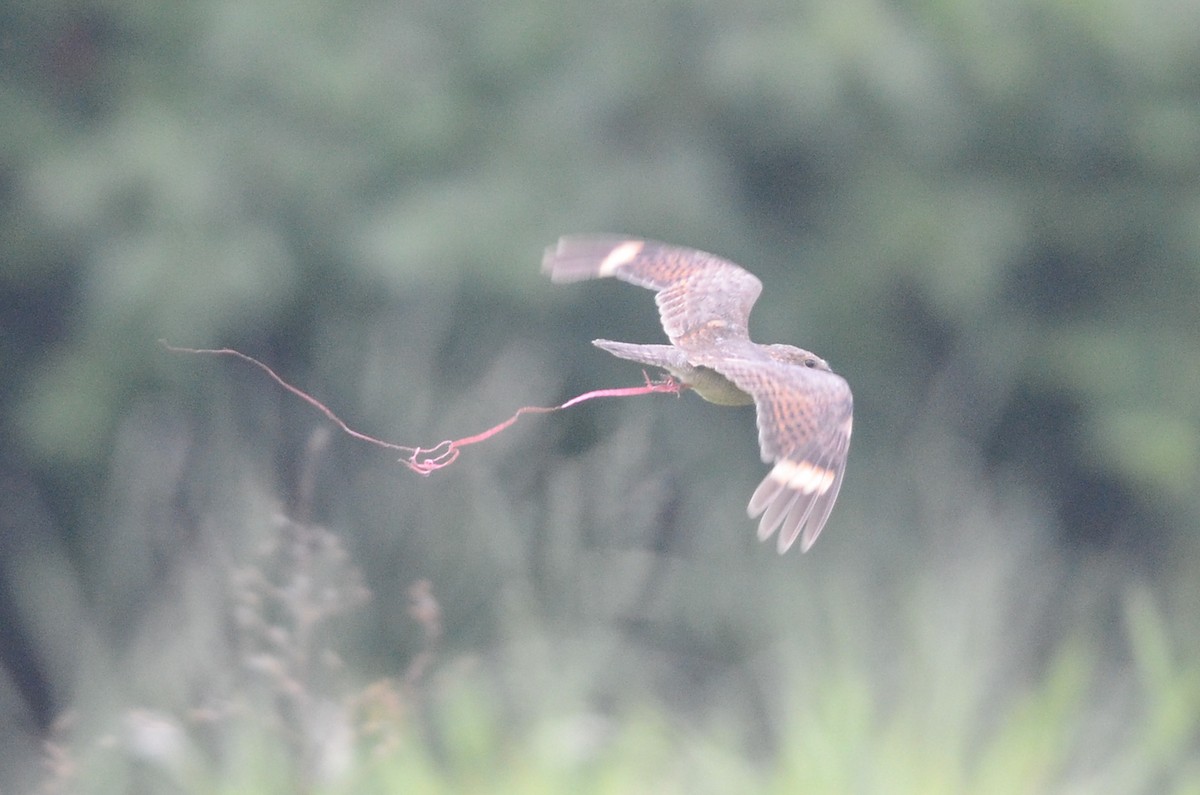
984, 214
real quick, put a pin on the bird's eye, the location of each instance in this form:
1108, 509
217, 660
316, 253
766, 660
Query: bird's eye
810, 362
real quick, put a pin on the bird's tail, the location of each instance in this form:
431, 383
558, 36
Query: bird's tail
665, 356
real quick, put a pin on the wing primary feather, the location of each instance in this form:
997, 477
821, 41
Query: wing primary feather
763, 495
776, 513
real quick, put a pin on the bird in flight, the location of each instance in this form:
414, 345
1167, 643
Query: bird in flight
804, 409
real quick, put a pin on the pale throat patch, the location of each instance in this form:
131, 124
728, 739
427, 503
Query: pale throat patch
803, 477
619, 256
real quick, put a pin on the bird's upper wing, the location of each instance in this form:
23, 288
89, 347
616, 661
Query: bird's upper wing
703, 300
805, 417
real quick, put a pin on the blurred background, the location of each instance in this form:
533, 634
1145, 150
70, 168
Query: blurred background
984, 213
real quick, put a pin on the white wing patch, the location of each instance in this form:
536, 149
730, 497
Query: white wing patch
803, 477
619, 256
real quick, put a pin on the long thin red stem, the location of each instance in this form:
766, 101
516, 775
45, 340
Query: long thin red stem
425, 460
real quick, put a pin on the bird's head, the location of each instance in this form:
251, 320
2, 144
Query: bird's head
790, 354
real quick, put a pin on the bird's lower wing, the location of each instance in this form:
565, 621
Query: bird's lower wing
805, 418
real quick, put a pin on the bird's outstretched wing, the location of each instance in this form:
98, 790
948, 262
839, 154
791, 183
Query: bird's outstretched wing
703, 300
805, 417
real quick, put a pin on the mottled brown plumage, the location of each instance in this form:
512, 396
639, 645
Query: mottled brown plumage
704, 302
